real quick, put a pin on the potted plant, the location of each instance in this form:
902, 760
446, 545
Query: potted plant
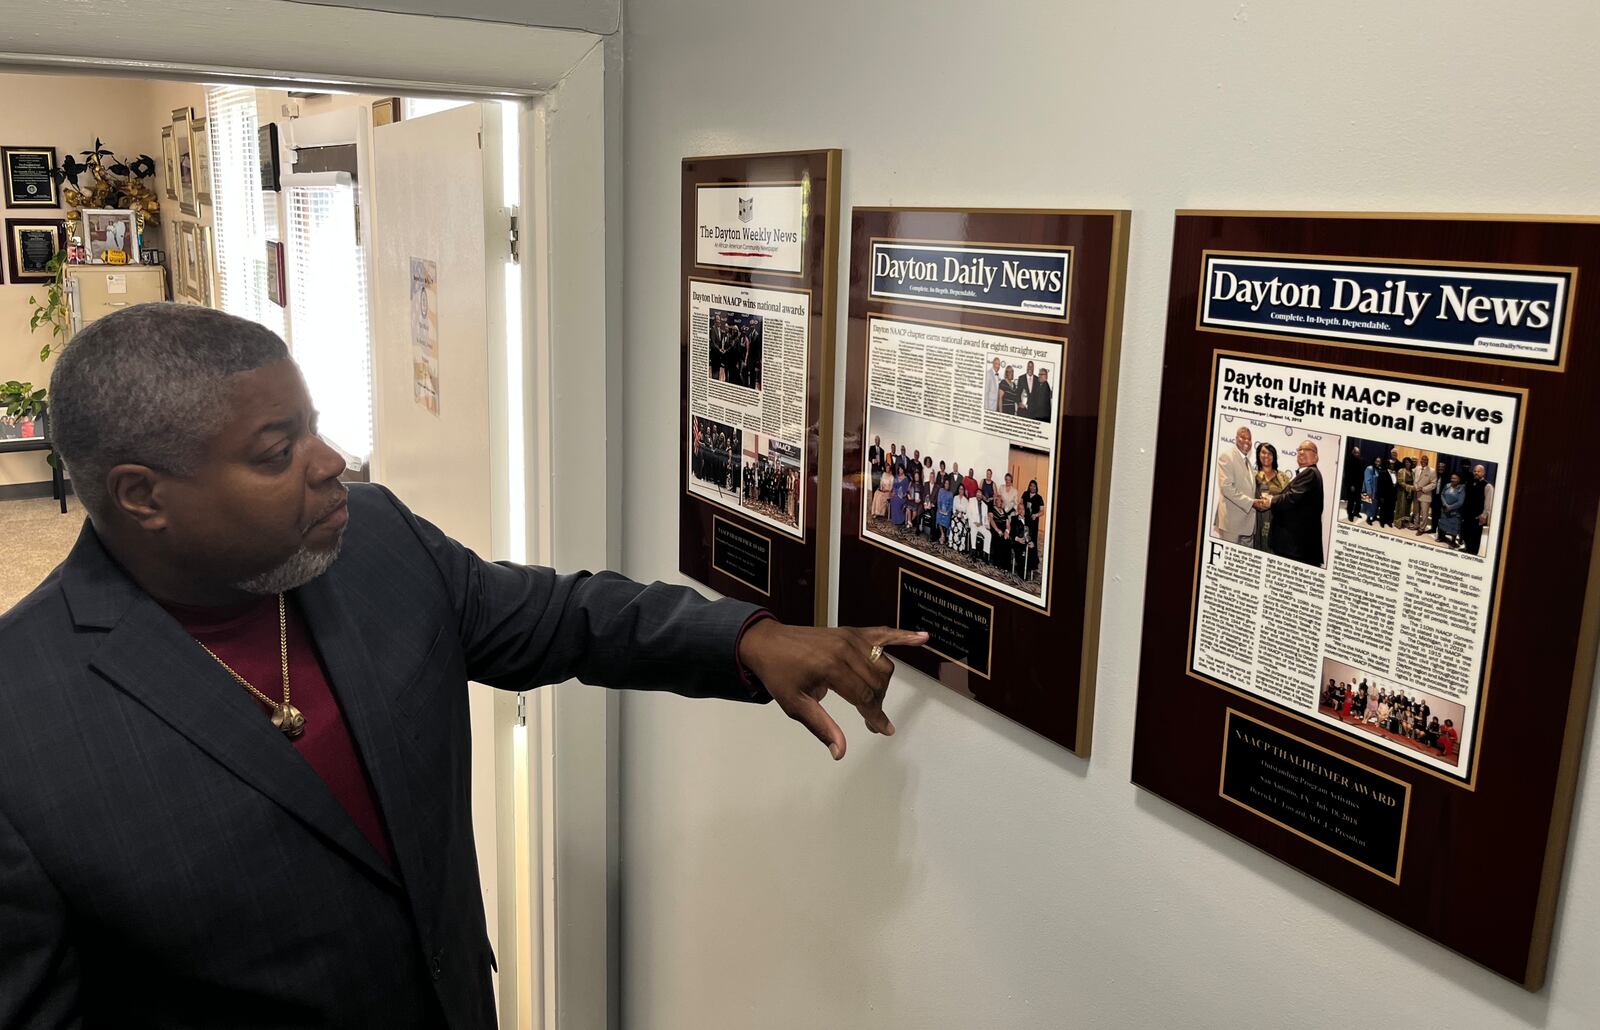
24, 411
53, 312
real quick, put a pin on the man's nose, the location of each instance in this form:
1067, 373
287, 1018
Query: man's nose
326, 462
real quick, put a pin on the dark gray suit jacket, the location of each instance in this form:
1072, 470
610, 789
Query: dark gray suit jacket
168, 859
1297, 518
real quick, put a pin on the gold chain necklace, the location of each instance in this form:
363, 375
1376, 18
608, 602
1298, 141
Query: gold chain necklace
285, 716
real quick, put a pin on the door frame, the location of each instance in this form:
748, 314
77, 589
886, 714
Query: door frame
567, 88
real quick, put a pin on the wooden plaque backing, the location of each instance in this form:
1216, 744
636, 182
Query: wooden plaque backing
797, 567
1482, 857
1040, 667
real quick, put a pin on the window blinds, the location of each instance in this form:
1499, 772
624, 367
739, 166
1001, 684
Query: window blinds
244, 218
328, 308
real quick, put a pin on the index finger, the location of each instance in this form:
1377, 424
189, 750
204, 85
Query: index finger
887, 636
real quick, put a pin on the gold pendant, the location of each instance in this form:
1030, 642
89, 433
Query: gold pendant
288, 719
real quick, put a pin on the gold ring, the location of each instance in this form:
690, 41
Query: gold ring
876, 653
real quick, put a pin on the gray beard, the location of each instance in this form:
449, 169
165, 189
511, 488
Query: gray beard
296, 571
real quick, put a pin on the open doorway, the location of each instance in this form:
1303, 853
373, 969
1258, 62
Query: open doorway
259, 202
556, 762
268, 203
540, 70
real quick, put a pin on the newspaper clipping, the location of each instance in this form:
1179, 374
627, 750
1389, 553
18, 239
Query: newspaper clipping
961, 431
748, 355
1350, 550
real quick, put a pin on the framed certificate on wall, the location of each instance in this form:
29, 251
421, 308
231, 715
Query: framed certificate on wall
760, 257
1372, 593
29, 178
979, 409
31, 244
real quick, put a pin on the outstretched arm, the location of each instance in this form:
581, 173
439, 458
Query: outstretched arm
523, 626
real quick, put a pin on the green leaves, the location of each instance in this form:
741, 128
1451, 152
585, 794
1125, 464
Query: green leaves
53, 312
21, 399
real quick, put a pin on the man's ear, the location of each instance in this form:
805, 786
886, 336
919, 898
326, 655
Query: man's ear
133, 494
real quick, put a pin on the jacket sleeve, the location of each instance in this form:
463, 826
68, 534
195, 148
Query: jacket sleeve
38, 966
523, 626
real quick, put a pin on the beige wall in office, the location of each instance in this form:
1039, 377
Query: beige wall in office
966, 874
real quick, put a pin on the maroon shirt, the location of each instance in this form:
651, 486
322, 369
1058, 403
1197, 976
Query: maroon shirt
246, 637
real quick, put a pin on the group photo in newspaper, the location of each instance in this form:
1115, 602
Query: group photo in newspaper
747, 400
1348, 571
961, 430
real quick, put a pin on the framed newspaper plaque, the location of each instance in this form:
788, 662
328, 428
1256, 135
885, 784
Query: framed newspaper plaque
979, 407
760, 263
1372, 596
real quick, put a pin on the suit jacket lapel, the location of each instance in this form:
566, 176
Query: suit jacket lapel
366, 711
149, 657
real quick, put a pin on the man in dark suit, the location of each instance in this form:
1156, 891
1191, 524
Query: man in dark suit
1385, 496
1354, 470
1297, 511
1476, 508
1040, 397
234, 762
1025, 387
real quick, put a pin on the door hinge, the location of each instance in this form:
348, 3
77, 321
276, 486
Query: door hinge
514, 237
522, 709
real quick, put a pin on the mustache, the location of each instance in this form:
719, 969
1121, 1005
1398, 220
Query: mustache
331, 507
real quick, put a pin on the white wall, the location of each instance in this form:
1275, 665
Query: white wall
965, 874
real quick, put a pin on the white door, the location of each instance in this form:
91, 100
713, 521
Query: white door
438, 251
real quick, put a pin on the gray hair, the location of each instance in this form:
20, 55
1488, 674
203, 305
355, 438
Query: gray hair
148, 385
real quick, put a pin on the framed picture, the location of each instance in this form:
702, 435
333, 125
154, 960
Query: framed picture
30, 246
110, 236
386, 111
768, 547
1305, 632
184, 142
189, 259
207, 293
28, 182
169, 162
982, 520
176, 271
267, 137
275, 285
200, 142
